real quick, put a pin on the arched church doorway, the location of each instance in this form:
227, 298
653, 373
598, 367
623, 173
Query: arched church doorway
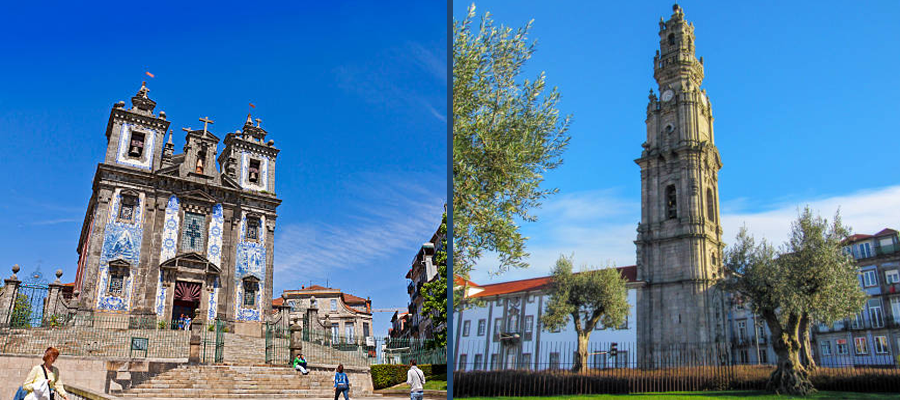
186, 301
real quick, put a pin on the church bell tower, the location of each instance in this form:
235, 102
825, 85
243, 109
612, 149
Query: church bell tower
679, 241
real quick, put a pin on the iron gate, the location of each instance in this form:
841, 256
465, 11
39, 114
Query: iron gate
213, 343
31, 297
278, 344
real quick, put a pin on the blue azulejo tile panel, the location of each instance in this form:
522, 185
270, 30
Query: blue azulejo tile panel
160, 296
167, 248
214, 247
250, 260
263, 182
213, 301
121, 241
146, 159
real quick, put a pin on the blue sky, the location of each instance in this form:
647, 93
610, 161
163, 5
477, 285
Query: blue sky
804, 95
353, 93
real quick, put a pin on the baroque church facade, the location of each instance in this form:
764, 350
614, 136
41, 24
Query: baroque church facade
679, 240
168, 234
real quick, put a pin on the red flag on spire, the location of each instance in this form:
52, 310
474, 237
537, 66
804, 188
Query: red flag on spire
149, 74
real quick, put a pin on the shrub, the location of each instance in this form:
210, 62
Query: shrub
161, 325
387, 375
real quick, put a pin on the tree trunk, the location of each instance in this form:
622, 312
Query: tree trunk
789, 377
805, 347
581, 359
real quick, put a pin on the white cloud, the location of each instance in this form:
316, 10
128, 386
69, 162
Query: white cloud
599, 226
386, 215
866, 211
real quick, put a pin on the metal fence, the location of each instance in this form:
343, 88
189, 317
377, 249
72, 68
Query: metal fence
506, 368
116, 336
321, 347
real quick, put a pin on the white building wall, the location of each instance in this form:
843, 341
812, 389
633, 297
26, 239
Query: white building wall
537, 351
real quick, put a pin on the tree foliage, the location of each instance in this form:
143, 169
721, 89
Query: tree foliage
21, 315
506, 135
586, 298
808, 280
434, 293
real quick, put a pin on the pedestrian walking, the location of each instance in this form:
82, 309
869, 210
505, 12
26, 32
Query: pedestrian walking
43, 381
415, 378
341, 383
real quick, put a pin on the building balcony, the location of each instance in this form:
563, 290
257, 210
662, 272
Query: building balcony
884, 250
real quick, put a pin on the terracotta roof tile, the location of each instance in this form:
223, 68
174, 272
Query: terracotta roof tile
886, 232
277, 302
351, 299
460, 281
317, 287
857, 237
629, 272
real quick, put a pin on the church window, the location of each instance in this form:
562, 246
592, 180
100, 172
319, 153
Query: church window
126, 208
710, 205
192, 236
252, 229
136, 147
116, 282
671, 39
253, 174
250, 289
671, 202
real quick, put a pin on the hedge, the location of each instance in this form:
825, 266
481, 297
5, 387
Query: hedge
631, 380
387, 375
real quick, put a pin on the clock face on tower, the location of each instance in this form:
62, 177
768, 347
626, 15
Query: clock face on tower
667, 95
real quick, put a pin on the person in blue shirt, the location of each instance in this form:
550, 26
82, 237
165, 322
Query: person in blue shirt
341, 383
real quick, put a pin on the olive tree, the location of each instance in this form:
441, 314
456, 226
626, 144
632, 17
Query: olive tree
507, 133
585, 298
809, 279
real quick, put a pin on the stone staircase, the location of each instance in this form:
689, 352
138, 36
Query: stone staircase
245, 350
229, 381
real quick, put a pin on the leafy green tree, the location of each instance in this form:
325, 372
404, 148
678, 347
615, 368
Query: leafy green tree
434, 293
588, 297
809, 280
506, 135
21, 315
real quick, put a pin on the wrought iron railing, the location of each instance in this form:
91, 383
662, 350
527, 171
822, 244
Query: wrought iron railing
95, 335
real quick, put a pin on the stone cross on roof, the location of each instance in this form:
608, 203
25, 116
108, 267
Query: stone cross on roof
206, 121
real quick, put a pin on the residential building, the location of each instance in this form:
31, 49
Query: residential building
501, 329
422, 271
872, 336
341, 316
399, 325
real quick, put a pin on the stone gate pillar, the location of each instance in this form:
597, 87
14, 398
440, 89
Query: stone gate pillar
54, 304
296, 340
8, 296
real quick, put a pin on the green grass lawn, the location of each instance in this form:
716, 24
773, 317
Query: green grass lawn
712, 395
436, 382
